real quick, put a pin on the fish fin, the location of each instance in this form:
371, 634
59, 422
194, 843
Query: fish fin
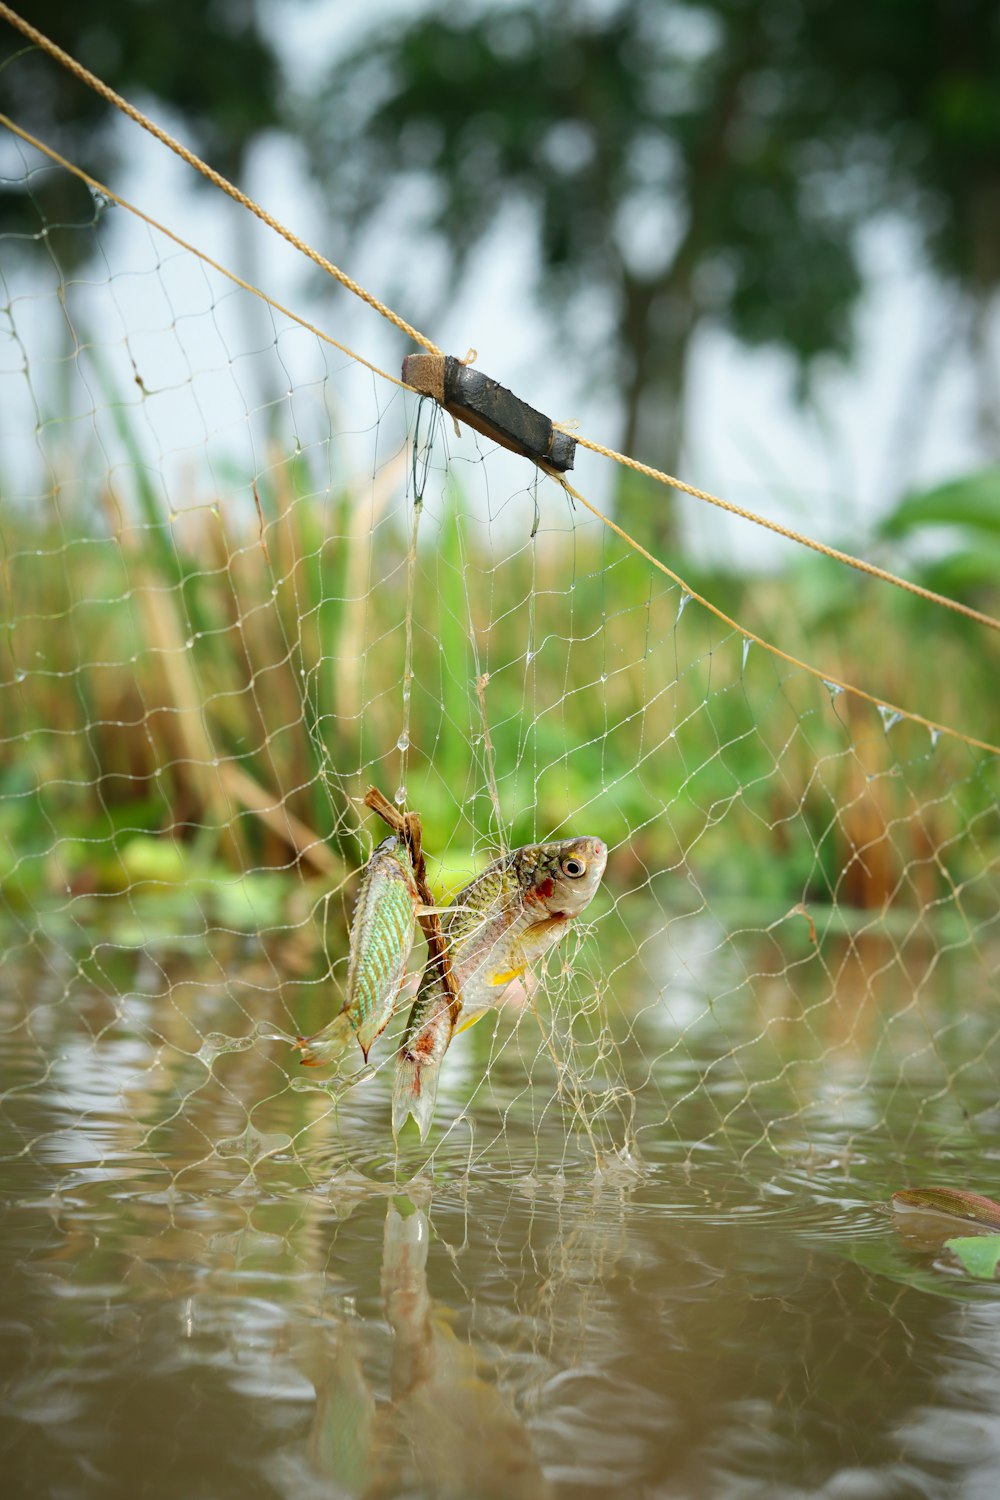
414, 1091
506, 975
469, 1022
368, 1038
327, 1045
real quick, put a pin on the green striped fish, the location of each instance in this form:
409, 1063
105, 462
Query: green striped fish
381, 939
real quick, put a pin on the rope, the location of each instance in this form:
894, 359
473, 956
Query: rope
92, 81
793, 536
247, 286
794, 661
103, 89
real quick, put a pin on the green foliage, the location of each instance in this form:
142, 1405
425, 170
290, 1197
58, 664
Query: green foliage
163, 683
971, 503
953, 533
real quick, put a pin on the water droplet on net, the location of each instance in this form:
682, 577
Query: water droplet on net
935, 736
890, 716
252, 1145
833, 688
266, 1031
20, 676
101, 200
334, 1088
403, 743
216, 1043
746, 650
683, 603
400, 796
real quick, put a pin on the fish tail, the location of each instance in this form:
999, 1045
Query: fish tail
328, 1045
414, 1092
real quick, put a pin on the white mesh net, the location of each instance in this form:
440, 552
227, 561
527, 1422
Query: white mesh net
244, 577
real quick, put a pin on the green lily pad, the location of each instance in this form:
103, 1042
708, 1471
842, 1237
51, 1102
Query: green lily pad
977, 1254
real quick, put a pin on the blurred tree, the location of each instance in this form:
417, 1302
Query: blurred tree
213, 64
707, 162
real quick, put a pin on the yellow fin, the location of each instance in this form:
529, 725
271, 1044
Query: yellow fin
469, 1021
506, 975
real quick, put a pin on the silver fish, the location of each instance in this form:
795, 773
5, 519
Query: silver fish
507, 919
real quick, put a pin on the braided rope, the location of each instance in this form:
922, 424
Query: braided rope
847, 558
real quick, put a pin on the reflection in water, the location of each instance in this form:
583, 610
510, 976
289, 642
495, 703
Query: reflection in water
341, 1436
446, 1429
464, 1437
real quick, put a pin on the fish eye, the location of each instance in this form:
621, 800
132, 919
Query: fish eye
574, 867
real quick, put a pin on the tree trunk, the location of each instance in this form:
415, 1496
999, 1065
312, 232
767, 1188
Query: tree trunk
660, 321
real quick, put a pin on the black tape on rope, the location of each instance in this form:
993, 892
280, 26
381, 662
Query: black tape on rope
490, 408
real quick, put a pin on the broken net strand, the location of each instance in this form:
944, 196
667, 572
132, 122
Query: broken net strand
137, 115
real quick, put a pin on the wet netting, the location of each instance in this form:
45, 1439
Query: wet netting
245, 577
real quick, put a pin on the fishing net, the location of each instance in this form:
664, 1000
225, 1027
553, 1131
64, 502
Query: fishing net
245, 576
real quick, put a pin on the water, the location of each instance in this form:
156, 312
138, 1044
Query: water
215, 1284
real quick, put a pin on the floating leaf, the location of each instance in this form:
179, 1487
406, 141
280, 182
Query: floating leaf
957, 1203
977, 1254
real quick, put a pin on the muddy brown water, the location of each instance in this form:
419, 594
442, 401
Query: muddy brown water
219, 1280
